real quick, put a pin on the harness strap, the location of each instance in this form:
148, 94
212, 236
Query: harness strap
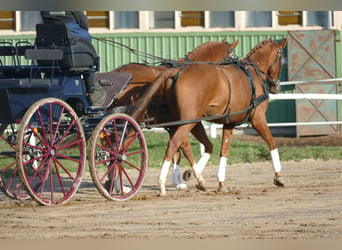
230, 91
255, 101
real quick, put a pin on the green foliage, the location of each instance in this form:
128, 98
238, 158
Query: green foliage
240, 151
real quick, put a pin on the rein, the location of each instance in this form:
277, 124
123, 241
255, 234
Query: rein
138, 53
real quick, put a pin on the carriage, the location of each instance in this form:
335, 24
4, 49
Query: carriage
50, 130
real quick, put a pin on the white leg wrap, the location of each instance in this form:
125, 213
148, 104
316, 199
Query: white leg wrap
221, 172
275, 160
202, 163
164, 171
162, 177
176, 178
176, 175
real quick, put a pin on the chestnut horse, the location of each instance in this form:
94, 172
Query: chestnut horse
225, 95
143, 75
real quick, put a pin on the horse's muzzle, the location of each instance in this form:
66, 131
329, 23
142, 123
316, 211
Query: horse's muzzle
274, 87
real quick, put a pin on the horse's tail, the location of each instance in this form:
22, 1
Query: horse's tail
155, 88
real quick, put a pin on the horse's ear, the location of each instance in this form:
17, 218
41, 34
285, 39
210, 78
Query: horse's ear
233, 45
283, 43
224, 40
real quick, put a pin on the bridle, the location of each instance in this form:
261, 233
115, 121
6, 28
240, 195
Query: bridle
230, 54
273, 84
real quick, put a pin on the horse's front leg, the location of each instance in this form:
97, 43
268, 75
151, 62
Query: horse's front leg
259, 123
225, 147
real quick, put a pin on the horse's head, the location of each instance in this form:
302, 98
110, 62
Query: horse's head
213, 51
273, 72
267, 57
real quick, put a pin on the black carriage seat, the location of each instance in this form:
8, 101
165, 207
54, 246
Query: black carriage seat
7, 49
79, 54
13, 67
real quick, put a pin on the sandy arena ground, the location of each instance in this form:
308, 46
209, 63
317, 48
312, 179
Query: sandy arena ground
309, 207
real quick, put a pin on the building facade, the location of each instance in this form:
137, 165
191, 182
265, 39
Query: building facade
172, 34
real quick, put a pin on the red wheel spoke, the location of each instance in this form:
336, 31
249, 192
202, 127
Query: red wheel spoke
70, 144
35, 159
109, 169
36, 171
116, 133
65, 133
104, 161
108, 139
132, 166
68, 158
36, 134
127, 176
134, 153
59, 176
43, 179
130, 142
12, 146
65, 170
51, 183
8, 167
105, 149
123, 133
42, 124
53, 135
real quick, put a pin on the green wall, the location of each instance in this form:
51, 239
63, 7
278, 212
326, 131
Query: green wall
177, 45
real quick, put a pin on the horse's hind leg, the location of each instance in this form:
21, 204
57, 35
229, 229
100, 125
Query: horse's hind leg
173, 146
199, 132
176, 174
260, 125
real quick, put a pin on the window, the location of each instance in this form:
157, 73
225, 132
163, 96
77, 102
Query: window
98, 19
29, 19
126, 19
318, 18
290, 17
221, 19
192, 18
258, 19
7, 20
161, 19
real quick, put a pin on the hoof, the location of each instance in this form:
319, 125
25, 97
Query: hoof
162, 194
222, 188
279, 181
186, 175
201, 187
181, 186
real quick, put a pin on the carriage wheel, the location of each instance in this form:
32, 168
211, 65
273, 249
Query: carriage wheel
51, 151
118, 157
10, 183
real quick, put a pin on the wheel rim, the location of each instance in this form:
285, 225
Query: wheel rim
118, 157
51, 151
10, 183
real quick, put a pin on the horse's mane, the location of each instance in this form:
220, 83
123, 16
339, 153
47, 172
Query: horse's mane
203, 47
259, 46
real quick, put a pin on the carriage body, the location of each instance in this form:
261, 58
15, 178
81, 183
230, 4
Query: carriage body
18, 94
46, 120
